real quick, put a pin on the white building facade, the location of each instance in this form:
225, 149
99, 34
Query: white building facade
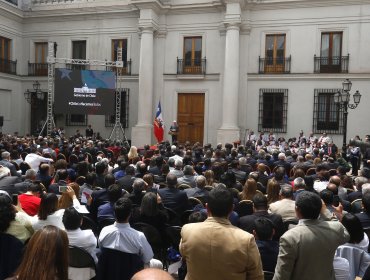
219, 67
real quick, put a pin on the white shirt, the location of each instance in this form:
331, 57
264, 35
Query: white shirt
21, 226
120, 236
34, 161
54, 219
320, 186
84, 239
341, 268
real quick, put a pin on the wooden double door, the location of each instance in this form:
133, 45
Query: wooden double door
190, 117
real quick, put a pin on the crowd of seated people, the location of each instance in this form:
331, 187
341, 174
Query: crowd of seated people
108, 195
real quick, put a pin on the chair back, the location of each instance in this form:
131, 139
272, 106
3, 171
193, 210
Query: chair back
244, 207
268, 275
311, 171
183, 186
88, 223
193, 201
358, 259
173, 234
185, 216
80, 258
356, 206
173, 217
154, 238
11, 251
118, 265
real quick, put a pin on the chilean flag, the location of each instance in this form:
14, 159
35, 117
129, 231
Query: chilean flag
158, 124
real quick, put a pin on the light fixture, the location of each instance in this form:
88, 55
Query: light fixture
37, 93
347, 85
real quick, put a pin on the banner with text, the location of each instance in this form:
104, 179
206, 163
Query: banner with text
88, 92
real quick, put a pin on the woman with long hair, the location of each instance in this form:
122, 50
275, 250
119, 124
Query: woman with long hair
65, 199
132, 154
273, 190
46, 256
210, 178
48, 212
151, 212
249, 190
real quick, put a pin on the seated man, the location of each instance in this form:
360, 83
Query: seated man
172, 197
214, 249
285, 207
260, 210
120, 236
84, 239
106, 211
269, 249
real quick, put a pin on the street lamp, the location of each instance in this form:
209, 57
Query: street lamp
342, 98
36, 93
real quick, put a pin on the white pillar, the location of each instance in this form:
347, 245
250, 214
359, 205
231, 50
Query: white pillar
142, 133
229, 130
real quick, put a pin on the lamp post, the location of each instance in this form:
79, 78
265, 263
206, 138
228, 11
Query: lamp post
342, 98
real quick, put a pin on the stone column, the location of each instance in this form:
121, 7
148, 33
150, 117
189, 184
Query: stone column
229, 130
142, 133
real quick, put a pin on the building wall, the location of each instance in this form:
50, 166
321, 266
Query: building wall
99, 22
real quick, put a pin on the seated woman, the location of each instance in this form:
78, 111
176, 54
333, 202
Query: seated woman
14, 221
39, 263
355, 250
49, 214
150, 212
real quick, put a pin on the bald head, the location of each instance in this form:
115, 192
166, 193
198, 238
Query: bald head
335, 180
152, 274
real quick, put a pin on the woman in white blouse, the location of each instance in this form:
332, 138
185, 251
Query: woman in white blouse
48, 212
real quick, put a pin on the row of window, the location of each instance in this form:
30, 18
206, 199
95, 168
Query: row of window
275, 60
273, 109
329, 61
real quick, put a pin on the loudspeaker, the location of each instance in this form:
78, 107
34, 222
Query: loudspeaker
1, 121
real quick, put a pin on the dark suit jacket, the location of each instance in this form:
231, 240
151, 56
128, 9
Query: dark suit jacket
99, 197
247, 222
126, 182
174, 199
22, 187
155, 170
269, 251
8, 184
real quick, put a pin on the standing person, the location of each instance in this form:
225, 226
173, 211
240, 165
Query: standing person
307, 250
174, 131
227, 251
89, 131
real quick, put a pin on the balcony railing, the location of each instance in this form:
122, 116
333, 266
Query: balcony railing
191, 66
125, 70
77, 67
333, 64
8, 66
274, 65
37, 69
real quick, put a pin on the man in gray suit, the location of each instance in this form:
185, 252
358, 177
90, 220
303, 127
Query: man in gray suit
307, 250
